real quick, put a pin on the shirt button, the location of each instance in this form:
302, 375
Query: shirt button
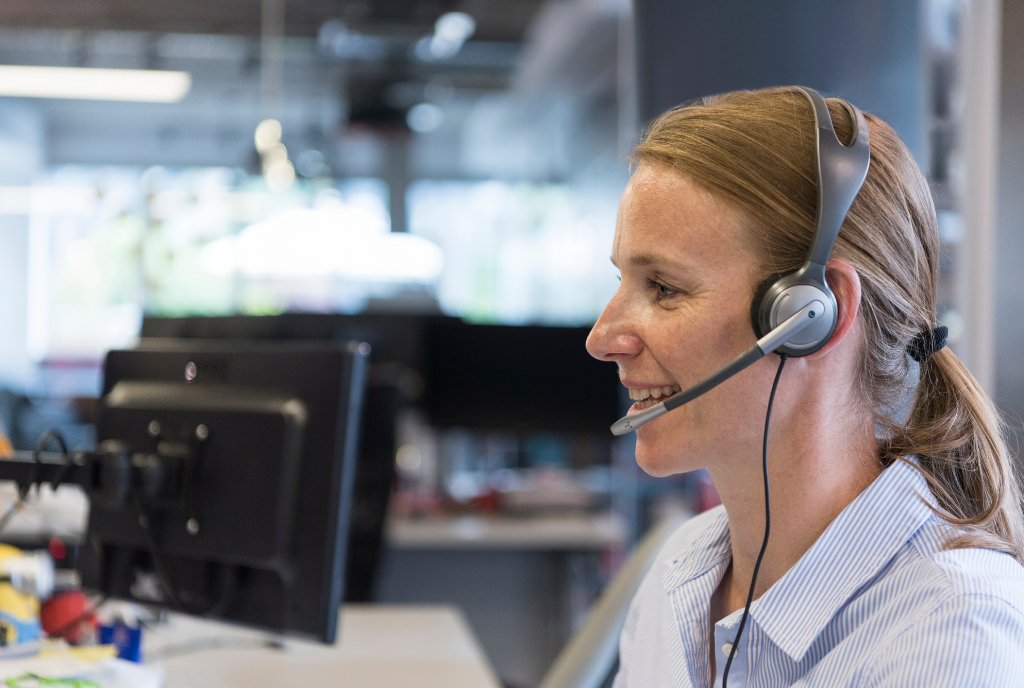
727, 649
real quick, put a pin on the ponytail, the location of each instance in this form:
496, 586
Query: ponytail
956, 434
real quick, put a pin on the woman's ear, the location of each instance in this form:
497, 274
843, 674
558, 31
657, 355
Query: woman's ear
845, 284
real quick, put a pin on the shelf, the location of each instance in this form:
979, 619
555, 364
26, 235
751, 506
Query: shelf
560, 532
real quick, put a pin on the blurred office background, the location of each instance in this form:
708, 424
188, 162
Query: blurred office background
423, 174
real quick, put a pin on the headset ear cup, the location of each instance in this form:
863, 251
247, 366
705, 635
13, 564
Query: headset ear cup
755, 305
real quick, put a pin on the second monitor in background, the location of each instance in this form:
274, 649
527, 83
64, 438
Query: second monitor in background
523, 378
516, 377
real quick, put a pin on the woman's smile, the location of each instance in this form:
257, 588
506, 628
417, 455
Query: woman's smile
648, 396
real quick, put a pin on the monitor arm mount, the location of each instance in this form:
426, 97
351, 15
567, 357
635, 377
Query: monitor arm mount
161, 479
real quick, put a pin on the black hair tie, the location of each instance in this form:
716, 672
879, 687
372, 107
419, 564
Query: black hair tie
925, 344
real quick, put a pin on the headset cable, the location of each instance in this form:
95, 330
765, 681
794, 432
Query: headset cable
767, 522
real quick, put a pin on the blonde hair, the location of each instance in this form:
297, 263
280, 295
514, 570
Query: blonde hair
757, 151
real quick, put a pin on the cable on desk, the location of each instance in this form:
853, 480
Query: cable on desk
50, 435
159, 565
36, 681
9, 514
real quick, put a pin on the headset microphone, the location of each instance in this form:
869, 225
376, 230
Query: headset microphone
795, 313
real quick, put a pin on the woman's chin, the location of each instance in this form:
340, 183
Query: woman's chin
663, 458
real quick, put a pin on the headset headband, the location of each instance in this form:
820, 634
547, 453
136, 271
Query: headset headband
841, 172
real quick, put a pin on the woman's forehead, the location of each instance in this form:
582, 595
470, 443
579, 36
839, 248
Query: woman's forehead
664, 215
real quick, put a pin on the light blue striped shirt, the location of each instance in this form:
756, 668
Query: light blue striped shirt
874, 602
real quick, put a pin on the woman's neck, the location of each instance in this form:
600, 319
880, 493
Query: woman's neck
812, 480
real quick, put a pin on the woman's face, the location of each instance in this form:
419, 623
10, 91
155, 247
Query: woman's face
681, 312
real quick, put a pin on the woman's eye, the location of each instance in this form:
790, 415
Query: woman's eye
661, 291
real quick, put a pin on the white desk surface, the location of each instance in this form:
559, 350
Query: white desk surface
380, 646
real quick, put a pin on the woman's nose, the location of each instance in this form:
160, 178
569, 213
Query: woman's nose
612, 337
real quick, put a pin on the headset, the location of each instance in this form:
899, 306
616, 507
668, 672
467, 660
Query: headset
795, 313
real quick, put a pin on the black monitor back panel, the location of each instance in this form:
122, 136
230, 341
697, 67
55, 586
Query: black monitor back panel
274, 478
237, 485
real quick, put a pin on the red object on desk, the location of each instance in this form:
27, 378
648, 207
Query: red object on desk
68, 615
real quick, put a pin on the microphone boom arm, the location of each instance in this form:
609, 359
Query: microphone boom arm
798, 322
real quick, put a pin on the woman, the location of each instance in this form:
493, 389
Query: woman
897, 534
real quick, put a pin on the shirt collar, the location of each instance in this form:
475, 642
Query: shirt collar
865, 536
858, 544
706, 551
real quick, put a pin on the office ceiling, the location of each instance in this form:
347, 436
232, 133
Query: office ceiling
351, 73
497, 20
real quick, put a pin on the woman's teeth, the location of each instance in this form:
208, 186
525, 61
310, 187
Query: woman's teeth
651, 396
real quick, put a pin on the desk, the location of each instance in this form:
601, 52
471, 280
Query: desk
380, 646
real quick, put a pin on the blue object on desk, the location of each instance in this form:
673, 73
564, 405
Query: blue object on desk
126, 639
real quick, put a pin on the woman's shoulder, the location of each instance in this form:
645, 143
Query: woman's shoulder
969, 633
968, 572
958, 609
982, 573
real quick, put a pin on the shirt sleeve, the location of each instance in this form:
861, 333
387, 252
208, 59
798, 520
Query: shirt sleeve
972, 641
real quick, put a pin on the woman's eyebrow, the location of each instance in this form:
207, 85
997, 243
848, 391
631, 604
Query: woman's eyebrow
645, 259
660, 260
654, 259
641, 260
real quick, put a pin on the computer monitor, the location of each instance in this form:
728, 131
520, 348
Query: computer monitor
222, 480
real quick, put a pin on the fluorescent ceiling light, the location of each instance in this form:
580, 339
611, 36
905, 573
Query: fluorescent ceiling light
87, 83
